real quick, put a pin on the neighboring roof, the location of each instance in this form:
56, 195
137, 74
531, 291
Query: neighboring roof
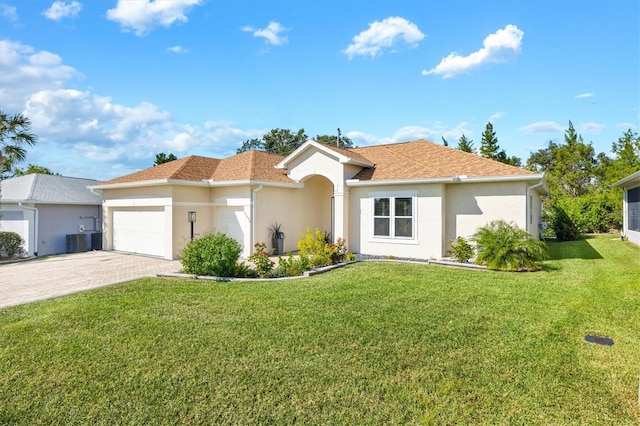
246, 166
632, 180
427, 160
417, 160
48, 189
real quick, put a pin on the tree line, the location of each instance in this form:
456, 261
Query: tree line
582, 198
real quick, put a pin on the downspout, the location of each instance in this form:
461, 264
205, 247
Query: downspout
253, 215
35, 227
528, 207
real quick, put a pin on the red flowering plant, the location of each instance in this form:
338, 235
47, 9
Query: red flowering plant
260, 259
338, 251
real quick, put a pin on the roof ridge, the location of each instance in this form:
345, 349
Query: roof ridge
252, 165
187, 160
32, 188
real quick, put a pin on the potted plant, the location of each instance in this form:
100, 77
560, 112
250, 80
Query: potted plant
277, 237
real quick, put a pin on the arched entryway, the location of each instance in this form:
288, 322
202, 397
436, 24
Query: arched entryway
318, 204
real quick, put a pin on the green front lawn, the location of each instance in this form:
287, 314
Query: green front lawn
370, 343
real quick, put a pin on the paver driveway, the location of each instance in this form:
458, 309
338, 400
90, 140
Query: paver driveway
38, 279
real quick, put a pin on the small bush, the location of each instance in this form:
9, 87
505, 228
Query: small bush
260, 259
338, 251
313, 246
461, 250
562, 225
11, 244
291, 267
505, 247
350, 257
212, 254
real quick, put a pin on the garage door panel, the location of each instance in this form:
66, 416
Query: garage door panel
140, 231
233, 222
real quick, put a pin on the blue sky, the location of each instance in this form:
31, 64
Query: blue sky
108, 84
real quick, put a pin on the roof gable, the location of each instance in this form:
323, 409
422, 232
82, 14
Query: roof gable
344, 156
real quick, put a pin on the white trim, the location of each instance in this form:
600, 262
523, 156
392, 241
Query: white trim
202, 183
414, 220
138, 202
293, 184
629, 179
153, 182
455, 179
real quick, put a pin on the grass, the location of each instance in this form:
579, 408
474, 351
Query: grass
370, 343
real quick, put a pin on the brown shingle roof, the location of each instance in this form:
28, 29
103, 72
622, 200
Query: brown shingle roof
351, 153
398, 161
425, 160
250, 165
193, 168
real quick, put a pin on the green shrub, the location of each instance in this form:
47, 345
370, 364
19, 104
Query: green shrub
314, 246
291, 266
461, 250
350, 257
212, 254
505, 247
11, 244
563, 226
260, 259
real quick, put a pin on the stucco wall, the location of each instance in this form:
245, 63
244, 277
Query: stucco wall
294, 208
470, 206
428, 219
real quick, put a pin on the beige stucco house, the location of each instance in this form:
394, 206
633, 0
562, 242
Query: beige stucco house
631, 206
404, 199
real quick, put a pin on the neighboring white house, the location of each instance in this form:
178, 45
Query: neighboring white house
405, 199
44, 209
631, 206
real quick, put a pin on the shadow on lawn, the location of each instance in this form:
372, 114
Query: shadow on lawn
579, 249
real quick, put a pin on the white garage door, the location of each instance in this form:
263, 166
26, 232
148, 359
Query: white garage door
235, 223
140, 231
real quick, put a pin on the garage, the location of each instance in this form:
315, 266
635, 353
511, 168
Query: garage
139, 231
233, 222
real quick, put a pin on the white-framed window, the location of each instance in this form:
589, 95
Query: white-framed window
394, 216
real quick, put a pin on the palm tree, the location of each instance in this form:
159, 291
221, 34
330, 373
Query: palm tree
14, 135
505, 247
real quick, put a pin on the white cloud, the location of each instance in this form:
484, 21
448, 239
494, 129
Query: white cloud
414, 132
25, 71
626, 126
496, 116
497, 47
177, 49
543, 127
75, 116
8, 12
590, 127
60, 10
584, 95
83, 134
142, 16
384, 35
274, 33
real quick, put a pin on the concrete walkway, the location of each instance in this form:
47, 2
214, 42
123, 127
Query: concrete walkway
38, 279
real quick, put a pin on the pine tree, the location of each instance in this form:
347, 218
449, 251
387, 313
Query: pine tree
489, 144
466, 145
